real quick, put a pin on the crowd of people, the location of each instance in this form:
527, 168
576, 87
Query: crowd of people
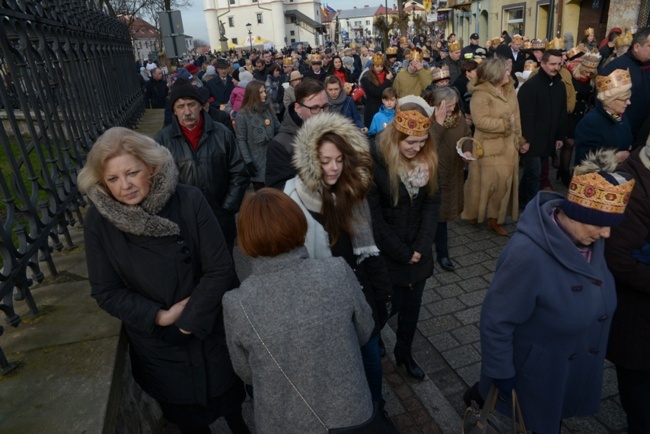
343, 168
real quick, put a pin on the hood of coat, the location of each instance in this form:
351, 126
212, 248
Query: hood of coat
305, 153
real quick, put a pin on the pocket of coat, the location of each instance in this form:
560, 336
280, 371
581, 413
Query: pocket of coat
532, 360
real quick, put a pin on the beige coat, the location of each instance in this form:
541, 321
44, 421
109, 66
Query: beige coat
450, 168
407, 83
492, 187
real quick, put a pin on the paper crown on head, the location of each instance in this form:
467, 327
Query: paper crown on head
288, 61
624, 40
403, 40
391, 51
372, 47
577, 51
416, 54
352, 45
589, 31
278, 55
517, 37
538, 44
315, 58
597, 198
495, 41
590, 60
618, 79
454, 46
530, 65
440, 73
411, 122
555, 44
528, 45
378, 59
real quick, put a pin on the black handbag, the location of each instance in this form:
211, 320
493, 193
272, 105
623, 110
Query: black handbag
486, 422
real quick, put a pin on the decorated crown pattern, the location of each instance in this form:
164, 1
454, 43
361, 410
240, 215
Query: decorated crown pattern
591, 60
411, 122
618, 78
593, 191
377, 59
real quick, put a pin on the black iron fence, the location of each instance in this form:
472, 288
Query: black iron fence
67, 73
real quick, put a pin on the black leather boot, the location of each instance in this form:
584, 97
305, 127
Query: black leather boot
410, 365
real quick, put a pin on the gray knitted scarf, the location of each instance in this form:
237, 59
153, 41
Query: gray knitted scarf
141, 219
363, 242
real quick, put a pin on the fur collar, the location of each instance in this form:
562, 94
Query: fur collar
305, 154
141, 219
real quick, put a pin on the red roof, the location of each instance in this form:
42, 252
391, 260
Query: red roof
140, 28
381, 10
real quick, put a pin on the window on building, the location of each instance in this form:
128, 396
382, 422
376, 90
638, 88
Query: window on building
292, 40
232, 2
514, 20
254, 1
235, 41
292, 33
260, 20
231, 21
367, 22
293, 19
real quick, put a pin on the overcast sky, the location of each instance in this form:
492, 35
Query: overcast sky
194, 19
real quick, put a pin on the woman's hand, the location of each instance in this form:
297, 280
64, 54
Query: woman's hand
622, 156
468, 156
415, 258
441, 112
166, 318
389, 75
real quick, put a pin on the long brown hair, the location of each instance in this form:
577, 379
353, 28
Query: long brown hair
389, 140
252, 101
372, 75
349, 191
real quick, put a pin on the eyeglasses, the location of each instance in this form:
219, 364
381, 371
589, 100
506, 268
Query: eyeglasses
315, 108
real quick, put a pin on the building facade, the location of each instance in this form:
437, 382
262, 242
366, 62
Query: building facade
147, 42
280, 22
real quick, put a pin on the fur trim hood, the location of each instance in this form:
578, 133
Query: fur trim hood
305, 153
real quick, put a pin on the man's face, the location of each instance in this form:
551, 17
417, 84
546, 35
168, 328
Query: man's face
287, 69
267, 58
452, 38
222, 72
315, 66
642, 51
364, 51
314, 101
260, 65
455, 55
552, 65
515, 44
157, 74
473, 41
299, 48
187, 111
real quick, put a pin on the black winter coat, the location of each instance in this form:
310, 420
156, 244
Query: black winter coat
629, 336
219, 90
279, 153
156, 93
543, 113
403, 229
216, 168
132, 277
373, 97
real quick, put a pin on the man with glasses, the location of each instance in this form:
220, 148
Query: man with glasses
311, 99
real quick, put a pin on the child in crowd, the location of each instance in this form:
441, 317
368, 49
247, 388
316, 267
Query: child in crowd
386, 113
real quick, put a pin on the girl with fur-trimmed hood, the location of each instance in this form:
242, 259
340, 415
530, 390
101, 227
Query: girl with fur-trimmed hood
334, 168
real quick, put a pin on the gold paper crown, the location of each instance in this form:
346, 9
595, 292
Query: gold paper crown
590, 60
278, 55
288, 61
391, 51
372, 47
555, 44
618, 78
589, 31
528, 45
594, 192
495, 41
411, 122
353, 45
440, 73
538, 44
454, 46
416, 54
378, 59
530, 65
403, 40
517, 37
315, 58
577, 50
624, 40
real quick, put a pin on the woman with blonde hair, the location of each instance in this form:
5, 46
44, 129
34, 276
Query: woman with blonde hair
492, 187
256, 126
149, 266
405, 208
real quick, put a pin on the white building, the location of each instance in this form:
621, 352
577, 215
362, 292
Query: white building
281, 22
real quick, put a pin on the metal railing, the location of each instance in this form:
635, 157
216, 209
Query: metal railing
67, 73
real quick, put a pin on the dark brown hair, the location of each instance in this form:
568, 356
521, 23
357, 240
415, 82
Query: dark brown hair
252, 101
307, 88
270, 224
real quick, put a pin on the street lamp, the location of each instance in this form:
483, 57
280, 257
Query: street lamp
249, 26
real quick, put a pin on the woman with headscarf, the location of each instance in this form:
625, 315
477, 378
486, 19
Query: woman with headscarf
405, 208
492, 186
546, 316
150, 266
334, 168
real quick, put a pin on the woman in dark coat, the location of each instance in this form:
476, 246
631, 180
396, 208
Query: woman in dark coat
546, 316
374, 82
334, 167
404, 210
149, 266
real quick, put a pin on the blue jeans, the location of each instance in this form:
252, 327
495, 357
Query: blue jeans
530, 180
372, 366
